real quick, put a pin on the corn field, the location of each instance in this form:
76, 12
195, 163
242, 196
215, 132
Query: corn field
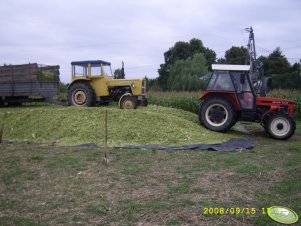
187, 101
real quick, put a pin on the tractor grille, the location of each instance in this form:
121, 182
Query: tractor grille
284, 107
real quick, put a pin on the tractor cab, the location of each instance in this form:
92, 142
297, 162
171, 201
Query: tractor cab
230, 97
90, 68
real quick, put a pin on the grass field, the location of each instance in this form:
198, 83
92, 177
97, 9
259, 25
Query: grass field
46, 184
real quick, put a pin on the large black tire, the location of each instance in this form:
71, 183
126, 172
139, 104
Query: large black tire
81, 94
280, 126
128, 102
217, 114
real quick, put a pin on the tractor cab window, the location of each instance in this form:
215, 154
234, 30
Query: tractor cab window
240, 81
221, 80
95, 70
80, 70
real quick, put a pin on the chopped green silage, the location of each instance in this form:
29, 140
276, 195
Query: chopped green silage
72, 125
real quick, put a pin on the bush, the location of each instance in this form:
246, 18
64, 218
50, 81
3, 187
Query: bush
286, 81
63, 88
62, 97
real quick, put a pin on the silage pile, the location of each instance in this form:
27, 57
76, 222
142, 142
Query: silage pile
71, 125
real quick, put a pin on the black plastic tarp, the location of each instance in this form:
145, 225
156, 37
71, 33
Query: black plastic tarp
230, 145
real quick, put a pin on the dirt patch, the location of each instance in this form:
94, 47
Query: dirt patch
224, 186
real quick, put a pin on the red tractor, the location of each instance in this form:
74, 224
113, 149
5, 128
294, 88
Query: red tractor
230, 97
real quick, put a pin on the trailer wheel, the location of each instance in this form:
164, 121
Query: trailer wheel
81, 94
217, 114
128, 102
280, 126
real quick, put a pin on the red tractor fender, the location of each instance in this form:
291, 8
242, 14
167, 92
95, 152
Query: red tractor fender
228, 95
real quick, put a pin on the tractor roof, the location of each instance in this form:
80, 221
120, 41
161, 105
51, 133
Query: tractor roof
230, 67
93, 62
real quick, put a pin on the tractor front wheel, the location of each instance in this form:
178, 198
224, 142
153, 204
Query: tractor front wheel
128, 102
217, 114
280, 126
81, 94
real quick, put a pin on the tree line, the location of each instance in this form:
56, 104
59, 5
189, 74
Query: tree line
186, 63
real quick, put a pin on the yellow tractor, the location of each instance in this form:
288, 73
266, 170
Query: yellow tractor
92, 82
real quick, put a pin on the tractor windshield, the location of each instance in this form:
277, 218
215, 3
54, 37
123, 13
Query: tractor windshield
221, 80
107, 71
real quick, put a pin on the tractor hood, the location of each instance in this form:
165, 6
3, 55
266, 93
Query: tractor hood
272, 100
276, 103
124, 82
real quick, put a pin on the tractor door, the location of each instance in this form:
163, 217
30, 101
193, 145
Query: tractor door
244, 94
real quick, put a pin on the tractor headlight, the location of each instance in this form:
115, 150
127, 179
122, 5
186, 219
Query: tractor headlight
133, 85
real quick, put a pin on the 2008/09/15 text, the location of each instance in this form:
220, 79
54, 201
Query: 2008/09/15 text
233, 210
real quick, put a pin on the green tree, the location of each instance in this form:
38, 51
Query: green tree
185, 74
152, 83
237, 55
283, 74
278, 63
181, 51
119, 74
196, 46
262, 63
286, 81
221, 60
296, 68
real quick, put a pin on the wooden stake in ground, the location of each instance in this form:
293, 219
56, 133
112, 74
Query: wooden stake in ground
1, 132
106, 139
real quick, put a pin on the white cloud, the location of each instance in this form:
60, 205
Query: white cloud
140, 31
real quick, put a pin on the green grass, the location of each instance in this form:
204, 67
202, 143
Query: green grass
98, 209
4, 220
48, 185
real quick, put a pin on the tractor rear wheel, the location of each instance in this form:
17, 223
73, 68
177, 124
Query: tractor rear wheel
128, 102
217, 114
280, 126
81, 94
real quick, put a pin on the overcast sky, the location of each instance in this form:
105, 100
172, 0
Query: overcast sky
140, 31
